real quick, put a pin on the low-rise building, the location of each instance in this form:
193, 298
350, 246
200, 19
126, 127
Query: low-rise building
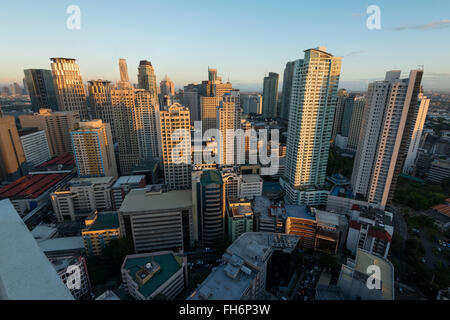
239, 218
251, 186
370, 229
268, 217
100, 229
35, 146
122, 186
152, 275
81, 197
73, 272
439, 171
243, 272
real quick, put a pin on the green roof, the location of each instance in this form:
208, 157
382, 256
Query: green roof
211, 176
105, 221
169, 266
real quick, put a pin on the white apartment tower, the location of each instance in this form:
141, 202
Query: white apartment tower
176, 146
313, 100
69, 87
93, 149
387, 127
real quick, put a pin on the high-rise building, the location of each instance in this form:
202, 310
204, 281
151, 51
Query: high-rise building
94, 149
176, 146
339, 112
147, 77
35, 146
270, 95
386, 131
358, 103
287, 89
146, 115
228, 121
314, 91
211, 200
39, 84
12, 157
123, 68
416, 136
209, 112
69, 87
167, 87
123, 101
252, 104
57, 126
100, 102
191, 99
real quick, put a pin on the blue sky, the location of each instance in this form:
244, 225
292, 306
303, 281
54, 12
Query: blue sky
243, 39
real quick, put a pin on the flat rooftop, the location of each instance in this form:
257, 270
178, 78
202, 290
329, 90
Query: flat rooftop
25, 271
364, 259
299, 211
44, 231
128, 180
62, 245
32, 186
90, 180
169, 265
104, 221
251, 178
142, 200
326, 217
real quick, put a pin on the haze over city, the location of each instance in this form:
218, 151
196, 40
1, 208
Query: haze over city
244, 40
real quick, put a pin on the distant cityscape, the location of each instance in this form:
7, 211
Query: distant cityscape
305, 191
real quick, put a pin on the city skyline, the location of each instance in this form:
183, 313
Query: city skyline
392, 47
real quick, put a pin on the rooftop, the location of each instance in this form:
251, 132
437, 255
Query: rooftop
103, 221
146, 200
43, 232
211, 176
251, 178
25, 271
90, 181
128, 180
32, 186
169, 265
299, 211
62, 245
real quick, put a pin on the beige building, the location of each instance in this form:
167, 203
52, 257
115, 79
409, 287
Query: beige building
208, 106
69, 87
176, 146
100, 102
310, 125
57, 126
12, 157
94, 149
228, 120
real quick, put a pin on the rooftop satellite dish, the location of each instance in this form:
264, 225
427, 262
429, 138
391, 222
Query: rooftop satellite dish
148, 265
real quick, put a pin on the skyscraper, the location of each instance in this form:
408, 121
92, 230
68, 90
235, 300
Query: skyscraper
94, 150
314, 91
39, 83
69, 87
228, 120
167, 87
424, 103
339, 112
57, 126
252, 104
208, 112
100, 102
387, 128
123, 69
12, 157
147, 77
270, 95
355, 122
146, 115
287, 89
123, 102
176, 146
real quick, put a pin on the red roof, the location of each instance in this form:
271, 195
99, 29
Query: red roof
356, 207
380, 234
32, 185
64, 159
443, 209
354, 225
